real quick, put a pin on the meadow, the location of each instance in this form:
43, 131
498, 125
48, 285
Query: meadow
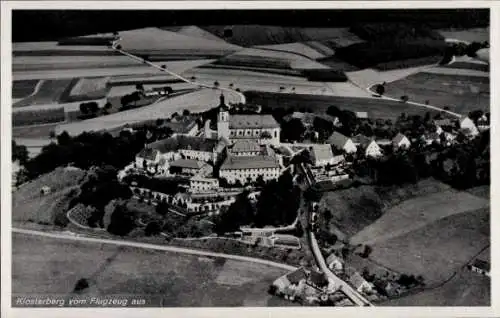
49, 92
180, 280
22, 89
42, 116
460, 93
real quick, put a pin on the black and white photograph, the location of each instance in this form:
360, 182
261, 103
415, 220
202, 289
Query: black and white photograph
189, 158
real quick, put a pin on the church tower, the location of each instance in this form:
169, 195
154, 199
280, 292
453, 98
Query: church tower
223, 119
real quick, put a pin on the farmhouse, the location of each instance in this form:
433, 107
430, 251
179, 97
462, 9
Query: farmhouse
249, 168
341, 142
467, 124
317, 280
400, 141
297, 276
481, 267
199, 184
263, 128
334, 263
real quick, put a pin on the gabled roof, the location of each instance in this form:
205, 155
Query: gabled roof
398, 138
187, 163
443, 122
318, 279
332, 258
249, 162
296, 276
183, 142
362, 140
252, 122
357, 280
338, 140
248, 145
322, 152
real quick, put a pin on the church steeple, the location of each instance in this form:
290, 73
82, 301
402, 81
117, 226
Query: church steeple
222, 104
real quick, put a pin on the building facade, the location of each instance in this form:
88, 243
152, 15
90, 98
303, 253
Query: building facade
248, 169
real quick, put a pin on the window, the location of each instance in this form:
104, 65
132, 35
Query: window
275, 134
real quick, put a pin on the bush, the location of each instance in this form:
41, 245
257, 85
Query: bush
152, 228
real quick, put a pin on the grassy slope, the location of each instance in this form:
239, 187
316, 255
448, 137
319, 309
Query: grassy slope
49, 93
29, 205
182, 280
460, 93
436, 250
355, 208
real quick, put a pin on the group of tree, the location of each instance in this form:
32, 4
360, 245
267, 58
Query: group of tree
130, 99
19, 153
89, 108
461, 49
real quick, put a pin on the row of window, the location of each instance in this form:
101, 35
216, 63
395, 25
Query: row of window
249, 133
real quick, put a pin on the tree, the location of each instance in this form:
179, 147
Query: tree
52, 134
186, 112
404, 98
152, 228
84, 108
333, 111
293, 130
108, 106
118, 47
64, 138
380, 89
193, 78
159, 121
367, 251
162, 208
139, 87
122, 221
163, 66
20, 153
93, 107
216, 84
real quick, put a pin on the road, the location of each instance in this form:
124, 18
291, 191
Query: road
350, 292
81, 238
194, 83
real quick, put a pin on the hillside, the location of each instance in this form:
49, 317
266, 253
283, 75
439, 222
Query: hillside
29, 205
355, 208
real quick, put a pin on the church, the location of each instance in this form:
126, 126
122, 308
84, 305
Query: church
262, 128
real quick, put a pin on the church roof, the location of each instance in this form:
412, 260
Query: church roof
252, 122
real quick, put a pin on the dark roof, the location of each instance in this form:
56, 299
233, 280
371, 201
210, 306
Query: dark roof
481, 264
182, 126
362, 140
147, 153
249, 162
337, 139
179, 142
296, 276
249, 145
318, 279
396, 140
187, 163
252, 122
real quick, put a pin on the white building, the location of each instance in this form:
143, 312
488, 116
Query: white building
400, 141
341, 142
468, 125
249, 168
368, 145
200, 184
263, 128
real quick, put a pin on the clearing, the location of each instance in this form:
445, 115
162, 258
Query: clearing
460, 93
49, 92
41, 266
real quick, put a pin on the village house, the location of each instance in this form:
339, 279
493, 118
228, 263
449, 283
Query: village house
185, 125
249, 168
322, 155
341, 142
467, 125
190, 167
334, 263
483, 123
200, 184
400, 141
360, 284
262, 128
481, 267
317, 280
368, 145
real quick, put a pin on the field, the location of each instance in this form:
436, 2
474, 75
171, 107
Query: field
85, 89
437, 249
460, 93
296, 47
28, 205
377, 108
38, 131
469, 35
465, 289
41, 266
22, 89
42, 116
48, 93
469, 66
415, 213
